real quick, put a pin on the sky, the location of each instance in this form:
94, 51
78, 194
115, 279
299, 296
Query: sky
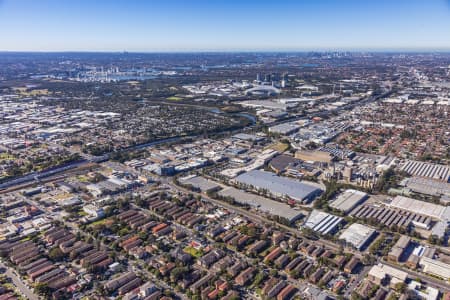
223, 25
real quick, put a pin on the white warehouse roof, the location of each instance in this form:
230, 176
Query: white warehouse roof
348, 200
357, 235
322, 222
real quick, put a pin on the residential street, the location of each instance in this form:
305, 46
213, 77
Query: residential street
18, 283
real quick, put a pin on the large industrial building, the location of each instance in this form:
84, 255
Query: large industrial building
285, 128
399, 248
358, 235
279, 186
248, 137
200, 183
379, 273
424, 169
281, 162
434, 211
348, 200
435, 267
391, 216
263, 204
322, 222
427, 186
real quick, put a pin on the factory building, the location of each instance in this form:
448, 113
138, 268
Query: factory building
428, 170
437, 212
380, 273
399, 248
348, 200
284, 129
435, 267
279, 186
201, 183
323, 222
389, 216
358, 235
265, 205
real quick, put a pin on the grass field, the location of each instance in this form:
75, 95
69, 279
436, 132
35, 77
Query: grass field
194, 252
174, 98
106, 222
280, 147
82, 178
6, 156
62, 196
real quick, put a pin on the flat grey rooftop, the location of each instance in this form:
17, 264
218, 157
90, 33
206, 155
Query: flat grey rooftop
264, 204
278, 185
200, 182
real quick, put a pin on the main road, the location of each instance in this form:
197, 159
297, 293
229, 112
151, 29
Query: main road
18, 283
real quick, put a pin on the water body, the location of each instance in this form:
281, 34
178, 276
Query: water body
310, 65
154, 143
215, 110
249, 117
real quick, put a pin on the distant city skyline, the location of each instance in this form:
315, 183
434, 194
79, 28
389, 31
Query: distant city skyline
246, 25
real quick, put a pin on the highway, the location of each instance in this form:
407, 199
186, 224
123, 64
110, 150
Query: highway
19, 284
34, 176
51, 178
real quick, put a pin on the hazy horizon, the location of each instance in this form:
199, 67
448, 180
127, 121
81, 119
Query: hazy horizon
249, 51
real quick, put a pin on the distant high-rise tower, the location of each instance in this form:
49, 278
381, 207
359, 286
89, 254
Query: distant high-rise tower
284, 80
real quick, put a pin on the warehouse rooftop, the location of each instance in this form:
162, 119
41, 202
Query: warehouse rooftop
264, 204
280, 186
358, 235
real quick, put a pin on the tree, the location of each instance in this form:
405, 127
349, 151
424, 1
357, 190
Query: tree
356, 296
368, 259
43, 289
434, 239
273, 272
259, 278
387, 180
177, 273
400, 287
56, 254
